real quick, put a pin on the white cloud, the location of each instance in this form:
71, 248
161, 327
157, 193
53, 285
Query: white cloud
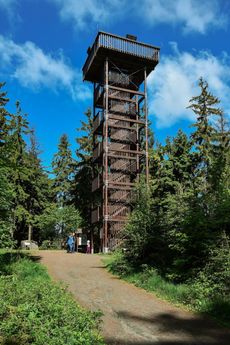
7, 4
34, 69
84, 13
10, 10
174, 82
192, 15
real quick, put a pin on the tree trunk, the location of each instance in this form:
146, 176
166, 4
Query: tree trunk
30, 232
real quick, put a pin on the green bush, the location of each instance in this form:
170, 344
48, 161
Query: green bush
47, 244
35, 310
202, 294
6, 240
118, 264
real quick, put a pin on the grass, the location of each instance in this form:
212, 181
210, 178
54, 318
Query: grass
35, 310
192, 296
151, 281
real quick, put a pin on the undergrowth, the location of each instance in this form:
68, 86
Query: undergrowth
197, 295
35, 310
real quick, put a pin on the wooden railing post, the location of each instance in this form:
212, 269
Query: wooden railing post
146, 128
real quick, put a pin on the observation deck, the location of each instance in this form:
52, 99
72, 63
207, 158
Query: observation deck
129, 54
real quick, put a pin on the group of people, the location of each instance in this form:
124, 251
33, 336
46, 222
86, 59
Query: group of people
72, 244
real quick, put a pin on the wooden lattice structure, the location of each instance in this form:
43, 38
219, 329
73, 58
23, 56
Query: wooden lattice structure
118, 68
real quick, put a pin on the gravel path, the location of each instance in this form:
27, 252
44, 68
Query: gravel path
132, 316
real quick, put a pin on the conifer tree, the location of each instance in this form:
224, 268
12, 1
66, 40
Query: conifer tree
29, 183
205, 107
19, 173
83, 196
63, 169
5, 185
3, 114
38, 189
25, 189
206, 223
171, 170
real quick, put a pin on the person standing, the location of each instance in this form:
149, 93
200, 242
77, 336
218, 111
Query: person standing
70, 243
88, 247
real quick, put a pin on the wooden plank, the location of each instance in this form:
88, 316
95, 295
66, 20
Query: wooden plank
122, 99
122, 127
127, 40
128, 188
115, 117
117, 219
121, 157
122, 183
128, 151
126, 90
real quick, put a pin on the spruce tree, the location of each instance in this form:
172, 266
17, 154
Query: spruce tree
83, 196
205, 107
63, 169
20, 171
5, 185
38, 189
3, 115
209, 209
28, 181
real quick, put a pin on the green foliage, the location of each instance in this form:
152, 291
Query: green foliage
30, 202
136, 234
3, 115
19, 172
82, 195
180, 223
47, 244
198, 294
82, 189
34, 310
56, 221
179, 219
6, 190
24, 185
6, 239
63, 169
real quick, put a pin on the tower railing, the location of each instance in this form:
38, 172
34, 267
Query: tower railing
123, 45
126, 45
98, 150
97, 182
98, 119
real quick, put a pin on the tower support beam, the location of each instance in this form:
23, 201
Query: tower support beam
118, 67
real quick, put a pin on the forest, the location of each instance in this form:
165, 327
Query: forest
180, 223
31, 199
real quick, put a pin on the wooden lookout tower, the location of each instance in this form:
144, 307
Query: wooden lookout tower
118, 68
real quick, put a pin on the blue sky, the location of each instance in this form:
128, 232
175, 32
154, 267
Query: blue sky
43, 47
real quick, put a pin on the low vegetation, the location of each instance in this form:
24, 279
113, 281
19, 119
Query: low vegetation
177, 239
35, 310
199, 295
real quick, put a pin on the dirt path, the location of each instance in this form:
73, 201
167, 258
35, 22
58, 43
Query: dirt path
131, 315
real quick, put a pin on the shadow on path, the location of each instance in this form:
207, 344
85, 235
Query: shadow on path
111, 341
132, 316
199, 330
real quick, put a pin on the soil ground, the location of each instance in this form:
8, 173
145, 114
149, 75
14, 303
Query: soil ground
131, 316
